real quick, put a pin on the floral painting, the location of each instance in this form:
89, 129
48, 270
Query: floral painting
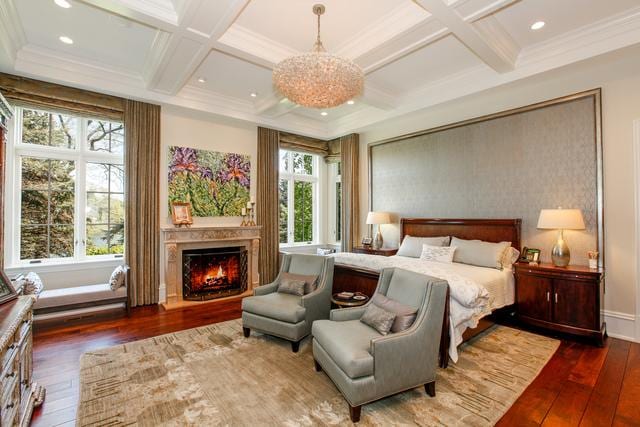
216, 184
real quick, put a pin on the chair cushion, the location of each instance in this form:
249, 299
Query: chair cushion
276, 305
378, 318
81, 294
310, 281
405, 315
348, 344
293, 287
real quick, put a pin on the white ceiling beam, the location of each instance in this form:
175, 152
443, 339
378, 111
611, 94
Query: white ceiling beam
135, 11
12, 36
483, 43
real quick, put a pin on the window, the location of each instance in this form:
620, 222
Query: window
335, 203
298, 196
68, 197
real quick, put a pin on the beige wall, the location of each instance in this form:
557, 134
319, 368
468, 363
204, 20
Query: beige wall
618, 74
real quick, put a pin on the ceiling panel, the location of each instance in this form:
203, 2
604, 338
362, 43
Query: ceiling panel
292, 22
434, 62
559, 16
97, 35
231, 76
332, 113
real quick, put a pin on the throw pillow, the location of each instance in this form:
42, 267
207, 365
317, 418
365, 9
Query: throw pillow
378, 318
117, 277
412, 246
478, 252
31, 284
405, 315
293, 287
310, 281
510, 256
437, 253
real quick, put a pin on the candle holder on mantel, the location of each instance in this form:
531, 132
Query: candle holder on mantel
248, 215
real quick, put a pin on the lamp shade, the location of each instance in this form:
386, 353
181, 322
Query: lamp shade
565, 219
378, 218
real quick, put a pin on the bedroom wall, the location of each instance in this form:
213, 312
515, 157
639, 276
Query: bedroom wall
618, 74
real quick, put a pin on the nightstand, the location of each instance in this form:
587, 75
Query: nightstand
372, 251
564, 299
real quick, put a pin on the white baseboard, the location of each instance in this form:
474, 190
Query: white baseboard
621, 325
162, 293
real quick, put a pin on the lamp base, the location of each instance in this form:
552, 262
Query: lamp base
377, 241
560, 254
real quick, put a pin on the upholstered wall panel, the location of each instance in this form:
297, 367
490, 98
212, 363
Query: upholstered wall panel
508, 167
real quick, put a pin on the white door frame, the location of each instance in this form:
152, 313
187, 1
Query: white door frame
636, 173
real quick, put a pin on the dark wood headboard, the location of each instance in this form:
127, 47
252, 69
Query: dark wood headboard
489, 230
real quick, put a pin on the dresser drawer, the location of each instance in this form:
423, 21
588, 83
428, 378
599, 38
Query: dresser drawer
10, 401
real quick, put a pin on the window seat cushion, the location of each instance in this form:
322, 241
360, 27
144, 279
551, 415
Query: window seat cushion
78, 295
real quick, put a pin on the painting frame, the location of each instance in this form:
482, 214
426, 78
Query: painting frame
7, 291
181, 214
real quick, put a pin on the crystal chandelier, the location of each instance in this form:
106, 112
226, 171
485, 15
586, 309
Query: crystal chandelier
318, 79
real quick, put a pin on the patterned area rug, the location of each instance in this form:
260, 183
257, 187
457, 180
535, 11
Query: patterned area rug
214, 376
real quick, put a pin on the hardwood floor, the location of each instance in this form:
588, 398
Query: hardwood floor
581, 385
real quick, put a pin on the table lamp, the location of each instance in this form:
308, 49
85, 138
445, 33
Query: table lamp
561, 219
378, 218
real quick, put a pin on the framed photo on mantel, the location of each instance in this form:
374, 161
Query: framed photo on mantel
7, 292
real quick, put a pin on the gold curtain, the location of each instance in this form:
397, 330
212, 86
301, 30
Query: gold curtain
267, 213
349, 157
142, 228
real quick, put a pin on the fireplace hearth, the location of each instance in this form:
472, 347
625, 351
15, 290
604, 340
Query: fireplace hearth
214, 273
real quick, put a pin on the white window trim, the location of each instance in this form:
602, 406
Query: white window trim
290, 177
16, 149
334, 178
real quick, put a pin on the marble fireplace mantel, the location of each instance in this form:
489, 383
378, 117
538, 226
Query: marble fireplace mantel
177, 239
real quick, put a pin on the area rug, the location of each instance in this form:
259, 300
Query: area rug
212, 376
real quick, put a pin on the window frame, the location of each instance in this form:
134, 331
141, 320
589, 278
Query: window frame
81, 155
332, 216
291, 177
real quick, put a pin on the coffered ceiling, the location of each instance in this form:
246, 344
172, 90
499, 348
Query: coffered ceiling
212, 55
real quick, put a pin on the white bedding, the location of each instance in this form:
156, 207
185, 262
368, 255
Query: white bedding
475, 291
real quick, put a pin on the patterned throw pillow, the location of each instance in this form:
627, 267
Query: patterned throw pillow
378, 318
31, 284
405, 315
437, 253
117, 277
311, 282
510, 256
293, 287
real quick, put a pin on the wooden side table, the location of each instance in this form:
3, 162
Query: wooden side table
373, 251
351, 302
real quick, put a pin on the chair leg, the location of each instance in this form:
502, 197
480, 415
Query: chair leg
354, 413
246, 332
430, 388
317, 365
295, 346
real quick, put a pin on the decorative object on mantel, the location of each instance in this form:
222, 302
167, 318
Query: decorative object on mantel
216, 184
305, 78
181, 214
7, 291
249, 215
593, 259
378, 218
561, 219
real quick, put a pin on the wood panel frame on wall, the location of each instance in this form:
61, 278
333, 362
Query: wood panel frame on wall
596, 94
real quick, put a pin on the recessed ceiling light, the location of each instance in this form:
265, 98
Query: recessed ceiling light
202, 80
66, 40
253, 94
324, 113
351, 102
63, 3
537, 25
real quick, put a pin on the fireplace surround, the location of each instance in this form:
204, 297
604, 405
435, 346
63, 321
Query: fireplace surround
202, 240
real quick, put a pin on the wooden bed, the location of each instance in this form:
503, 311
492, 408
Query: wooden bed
347, 278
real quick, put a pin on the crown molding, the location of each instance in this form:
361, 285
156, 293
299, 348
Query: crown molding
12, 35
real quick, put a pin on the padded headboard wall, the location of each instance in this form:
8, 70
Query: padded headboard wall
507, 165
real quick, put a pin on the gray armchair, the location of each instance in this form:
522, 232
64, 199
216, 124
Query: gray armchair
366, 365
290, 316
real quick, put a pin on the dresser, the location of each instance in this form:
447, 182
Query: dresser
374, 251
563, 299
19, 394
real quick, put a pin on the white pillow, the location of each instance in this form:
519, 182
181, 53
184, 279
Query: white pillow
510, 256
478, 252
117, 278
437, 253
31, 284
412, 246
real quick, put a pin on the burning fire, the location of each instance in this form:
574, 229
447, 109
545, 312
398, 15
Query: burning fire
220, 273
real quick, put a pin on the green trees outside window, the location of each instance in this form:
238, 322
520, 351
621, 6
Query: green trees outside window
298, 182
